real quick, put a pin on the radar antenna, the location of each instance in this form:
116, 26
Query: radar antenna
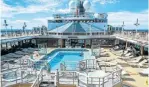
5, 24
137, 24
24, 26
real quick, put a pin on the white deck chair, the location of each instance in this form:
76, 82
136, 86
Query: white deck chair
128, 54
140, 64
123, 71
13, 55
104, 59
135, 60
27, 51
21, 53
112, 63
33, 49
104, 54
144, 72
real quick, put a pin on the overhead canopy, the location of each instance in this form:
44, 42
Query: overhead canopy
79, 27
28, 50
16, 39
13, 55
22, 53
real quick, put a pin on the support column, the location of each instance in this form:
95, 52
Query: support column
19, 43
1, 45
57, 78
84, 43
91, 42
22, 43
141, 48
126, 45
57, 42
61, 43
36, 42
6, 46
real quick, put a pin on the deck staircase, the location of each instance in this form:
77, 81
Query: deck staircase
46, 84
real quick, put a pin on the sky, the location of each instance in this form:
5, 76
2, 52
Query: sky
37, 12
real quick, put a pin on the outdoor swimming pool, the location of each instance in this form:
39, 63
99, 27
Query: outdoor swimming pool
64, 55
71, 57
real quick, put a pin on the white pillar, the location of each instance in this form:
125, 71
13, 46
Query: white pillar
104, 29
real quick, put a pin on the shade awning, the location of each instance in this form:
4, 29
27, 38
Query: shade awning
13, 55
21, 53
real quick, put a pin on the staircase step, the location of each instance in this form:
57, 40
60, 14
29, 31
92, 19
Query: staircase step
66, 85
46, 84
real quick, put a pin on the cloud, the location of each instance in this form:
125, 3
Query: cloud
17, 24
44, 6
63, 10
42, 21
105, 1
116, 18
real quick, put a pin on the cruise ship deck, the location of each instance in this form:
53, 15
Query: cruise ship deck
77, 49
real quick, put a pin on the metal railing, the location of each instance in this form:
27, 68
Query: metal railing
83, 80
88, 65
15, 35
17, 75
39, 78
133, 36
75, 77
67, 77
107, 81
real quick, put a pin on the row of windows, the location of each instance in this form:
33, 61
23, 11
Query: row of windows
85, 21
97, 33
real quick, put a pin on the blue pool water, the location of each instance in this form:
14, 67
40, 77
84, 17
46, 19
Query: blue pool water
60, 56
66, 57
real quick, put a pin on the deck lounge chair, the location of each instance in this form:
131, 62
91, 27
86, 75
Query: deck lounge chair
135, 60
13, 55
3, 58
140, 64
126, 58
27, 50
127, 55
144, 72
104, 55
107, 63
104, 59
123, 71
33, 49
21, 53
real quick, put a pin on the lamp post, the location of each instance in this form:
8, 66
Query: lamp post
123, 27
5, 24
137, 24
24, 26
11, 30
104, 29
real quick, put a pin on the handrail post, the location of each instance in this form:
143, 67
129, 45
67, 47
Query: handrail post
99, 82
86, 64
73, 78
57, 78
78, 79
16, 76
93, 64
103, 82
87, 80
21, 77
41, 75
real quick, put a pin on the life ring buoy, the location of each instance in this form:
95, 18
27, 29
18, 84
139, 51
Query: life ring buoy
82, 65
36, 54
